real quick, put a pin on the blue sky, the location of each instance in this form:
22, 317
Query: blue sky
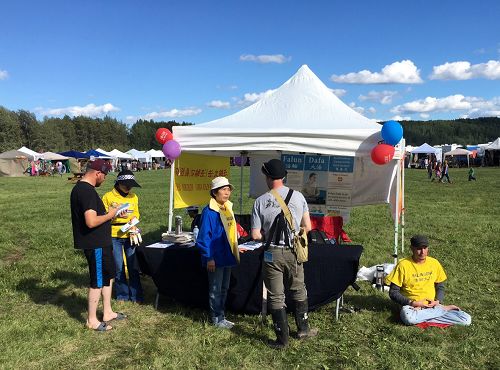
200, 60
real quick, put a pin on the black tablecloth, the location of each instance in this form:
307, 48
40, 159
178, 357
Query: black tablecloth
177, 273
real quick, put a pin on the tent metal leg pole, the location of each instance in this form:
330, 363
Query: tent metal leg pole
403, 204
157, 299
396, 218
171, 197
241, 183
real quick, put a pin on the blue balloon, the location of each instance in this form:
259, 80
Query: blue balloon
392, 132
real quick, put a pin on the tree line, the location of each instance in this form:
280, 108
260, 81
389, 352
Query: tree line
22, 128
463, 131
18, 128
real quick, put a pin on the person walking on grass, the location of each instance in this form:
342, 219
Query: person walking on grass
471, 174
417, 284
280, 267
127, 279
218, 242
92, 234
445, 172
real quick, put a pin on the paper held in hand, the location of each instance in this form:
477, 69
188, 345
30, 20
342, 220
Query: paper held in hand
134, 221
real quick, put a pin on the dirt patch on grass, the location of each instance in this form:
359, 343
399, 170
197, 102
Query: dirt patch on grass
13, 256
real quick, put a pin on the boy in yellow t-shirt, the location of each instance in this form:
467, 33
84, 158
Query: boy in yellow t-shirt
121, 194
416, 283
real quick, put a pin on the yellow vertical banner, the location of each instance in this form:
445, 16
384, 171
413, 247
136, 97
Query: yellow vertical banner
193, 177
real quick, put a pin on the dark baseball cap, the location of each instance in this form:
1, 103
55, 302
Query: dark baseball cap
274, 169
127, 178
99, 165
419, 241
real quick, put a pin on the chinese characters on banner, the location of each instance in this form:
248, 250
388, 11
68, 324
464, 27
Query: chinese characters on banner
325, 181
193, 177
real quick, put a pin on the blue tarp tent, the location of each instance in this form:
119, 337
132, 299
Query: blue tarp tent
96, 154
74, 154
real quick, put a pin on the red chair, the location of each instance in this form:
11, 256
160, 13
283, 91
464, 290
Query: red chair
332, 226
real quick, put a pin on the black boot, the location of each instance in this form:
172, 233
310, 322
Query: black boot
301, 319
280, 323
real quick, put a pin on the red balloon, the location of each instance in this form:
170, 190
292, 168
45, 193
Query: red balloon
382, 153
163, 135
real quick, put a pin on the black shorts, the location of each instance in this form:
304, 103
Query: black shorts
101, 266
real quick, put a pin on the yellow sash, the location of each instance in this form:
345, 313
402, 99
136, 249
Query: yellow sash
229, 223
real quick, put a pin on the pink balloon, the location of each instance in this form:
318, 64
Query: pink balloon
171, 149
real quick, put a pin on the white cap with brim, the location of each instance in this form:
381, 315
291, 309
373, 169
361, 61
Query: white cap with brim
220, 182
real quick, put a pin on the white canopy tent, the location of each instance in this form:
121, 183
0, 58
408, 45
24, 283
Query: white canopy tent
50, 156
155, 153
460, 151
109, 154
495, 145
302, 116
31, 153
427, 149
139, 155
424, 149
120, 155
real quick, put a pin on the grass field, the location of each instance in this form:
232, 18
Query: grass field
43, 289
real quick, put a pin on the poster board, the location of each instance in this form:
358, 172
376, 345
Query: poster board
193, 177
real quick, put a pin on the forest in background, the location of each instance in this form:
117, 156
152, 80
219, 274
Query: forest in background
22, 128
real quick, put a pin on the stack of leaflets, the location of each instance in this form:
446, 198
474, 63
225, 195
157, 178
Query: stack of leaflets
182, 238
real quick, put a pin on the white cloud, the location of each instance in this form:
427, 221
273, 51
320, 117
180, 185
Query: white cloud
219, 104
339, 92
3, 74
475, 107
275, 58
382, 97
358, 109
404, 72
401, 118
250, 98
425, 115
173, 113
89, 110
372, 110
465, 71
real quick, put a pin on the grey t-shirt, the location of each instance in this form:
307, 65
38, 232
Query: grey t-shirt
266, 208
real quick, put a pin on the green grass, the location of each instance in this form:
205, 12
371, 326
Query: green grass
43, 289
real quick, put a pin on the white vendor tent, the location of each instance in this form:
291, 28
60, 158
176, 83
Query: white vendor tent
115, 153
459, 151
50, 156
109, 154
155, 153
32, 154
139, 155
494, 145
424, 149
301, 116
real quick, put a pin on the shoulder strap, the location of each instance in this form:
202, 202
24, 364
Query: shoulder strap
284, 207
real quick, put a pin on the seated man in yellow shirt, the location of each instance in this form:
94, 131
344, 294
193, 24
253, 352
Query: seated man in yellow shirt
416, 283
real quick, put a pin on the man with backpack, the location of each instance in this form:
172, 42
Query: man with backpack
280, 267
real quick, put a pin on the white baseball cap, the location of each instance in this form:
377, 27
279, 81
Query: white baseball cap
220, 182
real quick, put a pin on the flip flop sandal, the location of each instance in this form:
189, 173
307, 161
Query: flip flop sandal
103, 326
119, 316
